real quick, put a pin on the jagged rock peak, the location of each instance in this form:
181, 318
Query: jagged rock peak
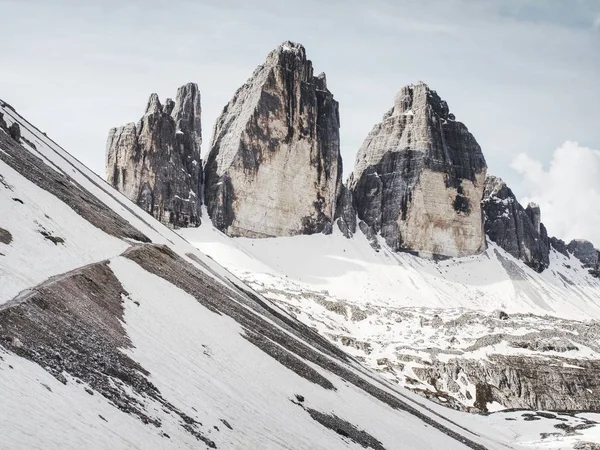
153, 106
274, 167
156, 163
517, 230
187, 113
419, 177
535, 215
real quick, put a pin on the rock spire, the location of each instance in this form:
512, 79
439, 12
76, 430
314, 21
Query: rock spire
156, 163
274, 167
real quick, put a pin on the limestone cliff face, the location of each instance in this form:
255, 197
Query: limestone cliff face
517, 230
419, 178
156, 163
274, 167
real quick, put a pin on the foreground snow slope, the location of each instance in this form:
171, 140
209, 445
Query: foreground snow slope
479, 333
117, 333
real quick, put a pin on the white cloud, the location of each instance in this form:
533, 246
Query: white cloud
597, 22
568, 192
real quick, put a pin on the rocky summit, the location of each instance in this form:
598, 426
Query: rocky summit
156, 163
419, 177
274, 167
517, 230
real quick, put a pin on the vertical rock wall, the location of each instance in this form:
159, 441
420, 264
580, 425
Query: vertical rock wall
274, 167
419, 177
156, 163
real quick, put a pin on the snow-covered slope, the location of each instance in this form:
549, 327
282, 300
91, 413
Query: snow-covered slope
117, 333
479, 333
351, 270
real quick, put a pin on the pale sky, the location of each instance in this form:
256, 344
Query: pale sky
523, 75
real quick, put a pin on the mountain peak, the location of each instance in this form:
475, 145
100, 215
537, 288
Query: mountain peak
153, 106
420, 97
187, 113
416, 150
276, 146
157, 164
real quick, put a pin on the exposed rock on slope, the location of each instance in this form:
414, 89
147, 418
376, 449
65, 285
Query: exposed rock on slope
517, 230
585, 252
274, 167
419, 178
156, 163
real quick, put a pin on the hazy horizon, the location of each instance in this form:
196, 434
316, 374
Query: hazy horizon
522, 75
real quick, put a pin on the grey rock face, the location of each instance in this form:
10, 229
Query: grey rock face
156, 163
346, 213
585, 252
535, 215
419, 178
274, 167
559, 245
510, 226
524, 382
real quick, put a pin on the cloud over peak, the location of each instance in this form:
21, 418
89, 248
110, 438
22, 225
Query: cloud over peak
568, 191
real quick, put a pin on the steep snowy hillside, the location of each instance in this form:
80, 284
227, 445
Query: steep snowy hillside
117, 333
484, 332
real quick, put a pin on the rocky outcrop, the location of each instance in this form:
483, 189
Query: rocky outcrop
517, 230
274, 167
346, 213
559, 245
585, 252
156, 163
15, 131
419, 178
521, 381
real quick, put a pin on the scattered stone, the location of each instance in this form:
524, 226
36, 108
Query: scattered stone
54, 239
226, 424
5, 236
499, 314
15, 131
586, 446
345, 429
